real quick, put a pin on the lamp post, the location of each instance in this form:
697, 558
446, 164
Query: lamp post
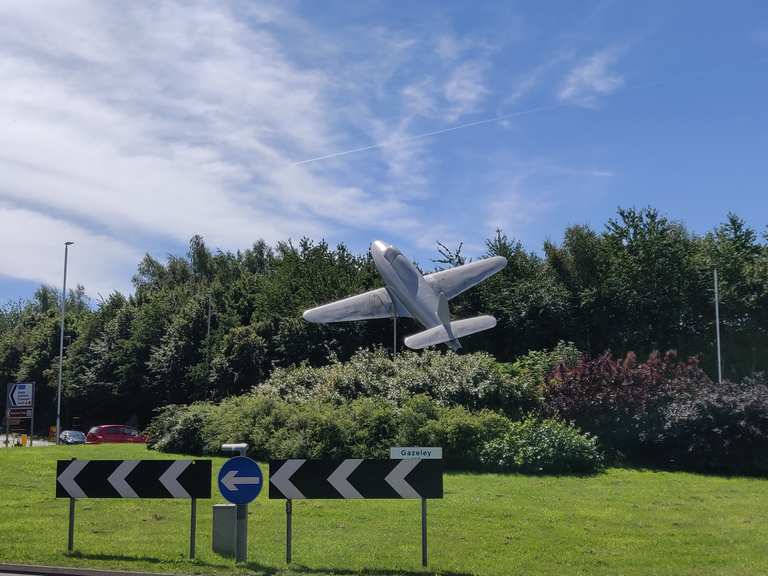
61, 341
717, 331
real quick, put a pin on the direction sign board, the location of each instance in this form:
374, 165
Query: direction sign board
21, 395
402, 452
355, 478
240, 480
19, 409
133, 479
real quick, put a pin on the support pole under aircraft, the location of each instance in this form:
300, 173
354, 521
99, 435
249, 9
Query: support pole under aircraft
394, 334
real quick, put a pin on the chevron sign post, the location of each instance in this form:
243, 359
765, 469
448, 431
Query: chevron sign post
187, 479
354, 478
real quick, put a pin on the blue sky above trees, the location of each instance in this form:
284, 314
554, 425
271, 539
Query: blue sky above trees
130, 127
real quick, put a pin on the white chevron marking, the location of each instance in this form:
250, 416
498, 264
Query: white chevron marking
282, 479
231, 480
117, 479
67, 479
396, 478
339, 478
170, 479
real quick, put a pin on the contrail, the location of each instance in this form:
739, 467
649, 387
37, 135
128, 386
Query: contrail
394, 141
429, 134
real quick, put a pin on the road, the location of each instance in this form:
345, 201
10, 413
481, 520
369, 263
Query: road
37, 442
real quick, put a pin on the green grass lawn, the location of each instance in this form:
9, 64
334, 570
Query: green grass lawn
620, 522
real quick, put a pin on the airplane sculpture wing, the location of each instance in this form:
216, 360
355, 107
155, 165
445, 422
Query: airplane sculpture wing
367, 306
450, 332
454, 281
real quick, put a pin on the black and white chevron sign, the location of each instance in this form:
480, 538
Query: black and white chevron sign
355, 478
133, 479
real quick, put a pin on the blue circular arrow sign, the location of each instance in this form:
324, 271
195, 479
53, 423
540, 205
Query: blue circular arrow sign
240, 480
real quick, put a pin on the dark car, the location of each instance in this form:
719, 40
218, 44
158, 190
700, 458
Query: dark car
114, 433
72, 437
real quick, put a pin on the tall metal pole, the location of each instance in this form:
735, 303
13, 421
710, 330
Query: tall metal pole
208, 330
394, 322
394, 334
717, 331
61, 341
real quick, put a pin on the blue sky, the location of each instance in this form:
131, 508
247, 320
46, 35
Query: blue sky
129, 127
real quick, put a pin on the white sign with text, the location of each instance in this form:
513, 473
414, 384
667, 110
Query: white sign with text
423, 453
21, 395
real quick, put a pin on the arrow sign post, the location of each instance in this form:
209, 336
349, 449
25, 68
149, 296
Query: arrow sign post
178, 479
240, 481
355, 479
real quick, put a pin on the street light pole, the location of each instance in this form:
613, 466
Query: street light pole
717, 331
61, 341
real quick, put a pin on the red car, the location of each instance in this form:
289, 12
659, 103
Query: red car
114, 433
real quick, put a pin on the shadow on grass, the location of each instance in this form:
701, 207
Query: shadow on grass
301, 569
675, 467
126, 558
527, 474
266, 570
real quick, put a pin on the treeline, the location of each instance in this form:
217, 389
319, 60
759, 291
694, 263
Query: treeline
209, 325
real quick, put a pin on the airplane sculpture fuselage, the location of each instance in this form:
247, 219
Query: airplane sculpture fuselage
408, 293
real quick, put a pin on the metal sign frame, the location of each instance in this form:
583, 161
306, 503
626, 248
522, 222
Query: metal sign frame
117, 485
375, 479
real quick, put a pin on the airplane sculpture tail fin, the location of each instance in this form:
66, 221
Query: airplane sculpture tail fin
450, 333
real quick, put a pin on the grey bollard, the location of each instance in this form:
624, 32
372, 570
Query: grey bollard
224, 529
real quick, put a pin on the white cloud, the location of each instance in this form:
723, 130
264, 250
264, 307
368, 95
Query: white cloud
590, 79
527, 190
447, 95
163, 120
95, 260
420, 98
449, 47
465, 89
517, 207
524, 84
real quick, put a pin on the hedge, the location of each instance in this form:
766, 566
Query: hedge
525, 416
474, 381
664, 412
722, 428
361, 428
544, 447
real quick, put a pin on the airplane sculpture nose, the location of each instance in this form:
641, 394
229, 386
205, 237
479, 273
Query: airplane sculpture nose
379, 246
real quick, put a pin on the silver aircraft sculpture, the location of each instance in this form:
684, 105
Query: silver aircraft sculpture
408, 293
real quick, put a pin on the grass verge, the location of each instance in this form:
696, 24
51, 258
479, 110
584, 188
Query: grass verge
623, 521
